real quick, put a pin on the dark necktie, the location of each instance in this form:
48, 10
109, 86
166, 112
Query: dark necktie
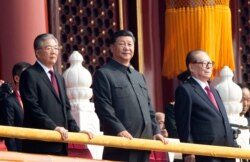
211, 97
54, 82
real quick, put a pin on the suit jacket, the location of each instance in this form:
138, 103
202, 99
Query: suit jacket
170, 123
198, 120
12, 116
122, 103
44, 109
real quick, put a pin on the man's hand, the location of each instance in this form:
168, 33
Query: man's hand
161, 138
125, 134
164, 133
63, 132
1, 82
90, 134
189, 158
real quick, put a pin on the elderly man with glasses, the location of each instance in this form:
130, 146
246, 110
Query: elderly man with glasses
199, 111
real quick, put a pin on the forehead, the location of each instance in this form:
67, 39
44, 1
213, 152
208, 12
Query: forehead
50, 41
160, 116
202, 56
124, 39
246, 92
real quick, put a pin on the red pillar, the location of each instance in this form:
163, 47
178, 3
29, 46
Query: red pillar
21, 21
152, 37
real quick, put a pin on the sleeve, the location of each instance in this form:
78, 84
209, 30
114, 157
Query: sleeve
155, 125
103, 103
9, 113
8, 119
183, 110
170, 123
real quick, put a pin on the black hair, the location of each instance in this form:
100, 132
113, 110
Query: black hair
184, 76
120, 33
243, 85
190, 58
19, 67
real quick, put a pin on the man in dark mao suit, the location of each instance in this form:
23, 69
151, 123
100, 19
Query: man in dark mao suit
46, 107
198, 119
122, 102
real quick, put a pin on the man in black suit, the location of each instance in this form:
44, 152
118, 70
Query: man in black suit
200, 119
170, 123
122, 102
12, 108
43, 92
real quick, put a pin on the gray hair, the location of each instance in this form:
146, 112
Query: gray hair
38, 42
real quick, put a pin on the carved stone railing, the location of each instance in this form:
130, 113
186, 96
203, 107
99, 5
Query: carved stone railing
231, 95
78, 81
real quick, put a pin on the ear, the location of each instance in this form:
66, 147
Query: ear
37, 53
16, 78
190, 67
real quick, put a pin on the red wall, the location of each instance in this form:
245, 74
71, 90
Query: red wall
161, 89
21, 21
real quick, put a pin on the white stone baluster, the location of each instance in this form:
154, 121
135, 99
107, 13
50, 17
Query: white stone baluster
78, 81
231, 95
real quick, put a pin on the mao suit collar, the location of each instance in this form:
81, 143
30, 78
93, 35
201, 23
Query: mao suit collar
120, 67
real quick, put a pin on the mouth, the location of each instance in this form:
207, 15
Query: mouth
126, 53
208, 72
53, 58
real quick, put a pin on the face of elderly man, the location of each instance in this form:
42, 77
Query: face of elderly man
202, 66
245, 99
160, 118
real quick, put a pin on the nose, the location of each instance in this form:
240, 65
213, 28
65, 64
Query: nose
126, 46
54, 49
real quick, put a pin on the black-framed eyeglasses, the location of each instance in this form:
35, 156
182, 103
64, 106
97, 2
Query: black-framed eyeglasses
205, 64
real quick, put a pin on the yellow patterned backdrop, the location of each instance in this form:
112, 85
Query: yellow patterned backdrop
197, 24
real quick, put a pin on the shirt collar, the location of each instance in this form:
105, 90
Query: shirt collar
202, 84
44, 67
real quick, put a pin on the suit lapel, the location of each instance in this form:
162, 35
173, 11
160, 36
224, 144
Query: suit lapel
198, 89
60, 85
47, 81
220, 104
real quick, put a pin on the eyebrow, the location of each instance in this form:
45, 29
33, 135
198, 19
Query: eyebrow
204, 60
